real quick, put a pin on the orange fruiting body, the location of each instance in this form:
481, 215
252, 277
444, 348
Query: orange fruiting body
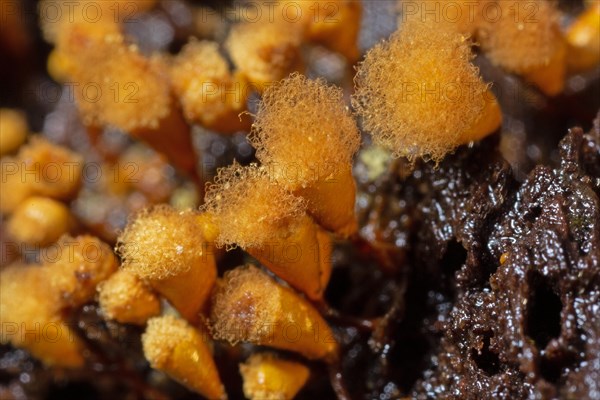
166, 248
40, 168
175, 347
39, 221
526, 39
267, 377
209, 93
67, 279
250, 306
306, 137
265, 51
121, 87
33, 321
420, 96
127, 299
250, 210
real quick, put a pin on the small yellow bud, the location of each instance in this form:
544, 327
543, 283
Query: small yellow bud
267, 377
335, 25
533, 47
175, 347
39, 221
265, 51
126, 299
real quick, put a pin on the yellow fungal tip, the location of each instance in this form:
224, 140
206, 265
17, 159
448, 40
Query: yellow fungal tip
524, 37
161, 242
303, 130
249, 208
583, 38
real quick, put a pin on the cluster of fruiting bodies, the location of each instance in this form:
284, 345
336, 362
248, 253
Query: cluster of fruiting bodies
284, 210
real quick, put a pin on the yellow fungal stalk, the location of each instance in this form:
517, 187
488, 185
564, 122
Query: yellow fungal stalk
67, 279
127, 299
526, 40
13, 130
250, 306
419, 95
302, 258
176, 348
39, 221
267, 377
208, 92
166, 248
306, 137
40, 168
118, 86
265, 51
583, 40
256, 213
